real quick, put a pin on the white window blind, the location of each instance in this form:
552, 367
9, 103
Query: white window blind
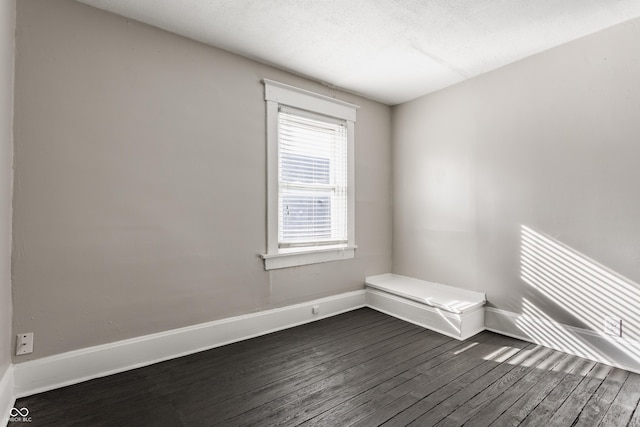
312, 173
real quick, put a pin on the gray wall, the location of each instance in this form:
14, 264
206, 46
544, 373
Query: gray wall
551, 143
7, 42
140, 183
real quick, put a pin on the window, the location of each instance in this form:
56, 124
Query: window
310, 177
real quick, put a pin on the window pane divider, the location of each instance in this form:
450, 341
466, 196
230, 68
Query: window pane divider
302, 186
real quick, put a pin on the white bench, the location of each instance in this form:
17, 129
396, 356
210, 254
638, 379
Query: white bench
455, 312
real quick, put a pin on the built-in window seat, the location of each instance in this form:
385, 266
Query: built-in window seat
455, 312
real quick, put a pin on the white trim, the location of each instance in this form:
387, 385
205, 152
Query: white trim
81, 365
272, 178
300, 98
618, 352
459, 326
303, 256
437, 295
7, 399
27, 378
351, 183
277, 94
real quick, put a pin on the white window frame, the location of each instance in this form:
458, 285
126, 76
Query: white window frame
279, 94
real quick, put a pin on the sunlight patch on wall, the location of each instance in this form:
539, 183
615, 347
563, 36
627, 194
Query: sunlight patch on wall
587, 291
536, 324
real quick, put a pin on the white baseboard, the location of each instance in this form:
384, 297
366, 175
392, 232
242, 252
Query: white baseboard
7, 398
24, 379
618, 352
80, 365
459, 326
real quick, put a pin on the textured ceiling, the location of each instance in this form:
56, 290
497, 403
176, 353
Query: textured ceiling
388, 50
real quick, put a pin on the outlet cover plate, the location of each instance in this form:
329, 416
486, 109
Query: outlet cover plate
613, 326
24, 343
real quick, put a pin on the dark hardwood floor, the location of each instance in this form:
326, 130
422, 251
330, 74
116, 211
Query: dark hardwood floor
361, 368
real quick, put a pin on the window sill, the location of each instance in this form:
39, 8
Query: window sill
302, 256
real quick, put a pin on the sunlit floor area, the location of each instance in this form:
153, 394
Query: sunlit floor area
360, 368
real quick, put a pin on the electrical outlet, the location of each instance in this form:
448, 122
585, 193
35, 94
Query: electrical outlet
24, 343
613, 326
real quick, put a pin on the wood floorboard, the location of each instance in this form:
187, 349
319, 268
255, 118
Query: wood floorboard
635, 419
482, 404
343, 370
399, 411
542, 413
510, 396
263, 354
433, 407
331, 386
359, 401
233, 378
361, 368
519, 410
278, 342
625, 405
295, 375
361, 378
506, 370
601, 400
580, 395
441, 394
